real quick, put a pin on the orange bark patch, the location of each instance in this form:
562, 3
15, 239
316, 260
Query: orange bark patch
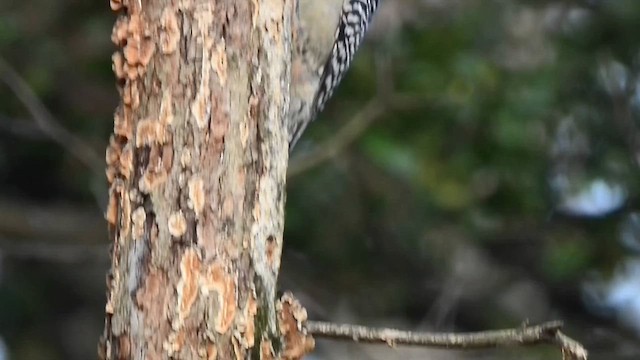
151, 179
120, 31
273, 251
135, 25
185, 158
115, 201
291, 316
177, 224
166, 109
266, 350
196, 195
126, 161
147, 48
112, 158
132, 52
190, 267
112, 209
122, 125
111, 174
138, 218
131, 94
212, 352
175, 343
113, 152
160, 160
117, 65
221, 282
219, 127
167, 158
152, 290
131, 70
170, 36
124, 346
150, 132
138, 46
200, 107
152, 299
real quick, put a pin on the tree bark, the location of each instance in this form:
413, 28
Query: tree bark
197, 168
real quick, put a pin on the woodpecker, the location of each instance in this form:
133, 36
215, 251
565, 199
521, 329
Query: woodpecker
327, 34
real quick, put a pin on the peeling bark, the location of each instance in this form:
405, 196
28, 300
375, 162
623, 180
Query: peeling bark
197, 168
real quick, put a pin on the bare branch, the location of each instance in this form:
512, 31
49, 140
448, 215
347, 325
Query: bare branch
21, 128
56, 223
335, 144
350, 132
55, 233
46, 121
384, 100
547, 333
71, 254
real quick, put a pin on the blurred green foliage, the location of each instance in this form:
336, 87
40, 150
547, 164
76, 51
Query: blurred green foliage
512, 109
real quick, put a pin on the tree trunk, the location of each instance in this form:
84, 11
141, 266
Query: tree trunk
197, 168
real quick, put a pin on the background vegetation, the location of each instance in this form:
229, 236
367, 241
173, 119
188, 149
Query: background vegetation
478, 168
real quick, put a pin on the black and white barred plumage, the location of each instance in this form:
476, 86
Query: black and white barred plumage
355, 19
320, 68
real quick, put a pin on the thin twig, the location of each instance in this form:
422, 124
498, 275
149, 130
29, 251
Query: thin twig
547, 333
56, 253
57, 223
350, 132
352, 129
20, 128
46, 121
335, 144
